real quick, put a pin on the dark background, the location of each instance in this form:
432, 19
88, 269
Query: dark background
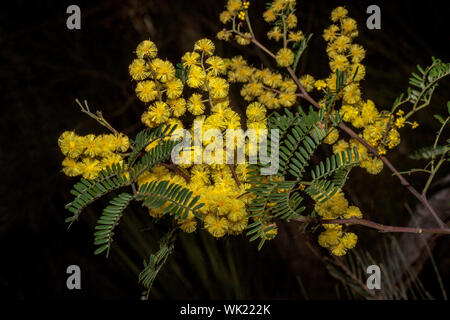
45, 66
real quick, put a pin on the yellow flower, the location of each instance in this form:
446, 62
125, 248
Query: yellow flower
307, 81
234, 5
330, 237
279, 5
218, 87
110, 160
195, 104
291, 21
225, 16
341, 43
296, 36
372, 165
244, 40
340, 146
349, 240
177, 106
147, 120
159, 112
205, 45
146, 91
190, 59
165, 71
224, 35
196, 77
352, 94
70, 144
353, 212
394, 138
400, 112
238, 226
369, 112
188, 225
332, 136
400, 122
138, 69
269, 15
252, 90
358, 122
71, 167
338, 13
121, 142
381, 150
330, 33
90, 168
237, 210
217, 226
105, 145
348, 25
349, 112
287, 99
339, 62
357, 76
275, 34
332, 208
285, 57
217, 66
357, 52
415, 125
339, 250
146, 49
256, 112
320, 84
174, 88
90, 145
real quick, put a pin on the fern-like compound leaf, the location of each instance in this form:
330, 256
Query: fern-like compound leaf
430, 152
108, 222
87, 191
171, 197
146, 137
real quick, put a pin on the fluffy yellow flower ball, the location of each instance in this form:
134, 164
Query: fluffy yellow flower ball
285, 57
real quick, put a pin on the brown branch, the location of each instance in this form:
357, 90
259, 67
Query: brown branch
353, 134
177, 169
97, 117
374, 225
304, 94
233, 173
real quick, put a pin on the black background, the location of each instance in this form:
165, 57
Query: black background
45, 66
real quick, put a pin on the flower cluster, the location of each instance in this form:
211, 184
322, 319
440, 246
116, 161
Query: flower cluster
266, 89
263, 88
334, 237
88, 155
281, 16
197, 91
378, 129
207, 102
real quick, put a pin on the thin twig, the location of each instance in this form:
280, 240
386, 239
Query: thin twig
177, 169
233, 173
374, 225
97, 117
